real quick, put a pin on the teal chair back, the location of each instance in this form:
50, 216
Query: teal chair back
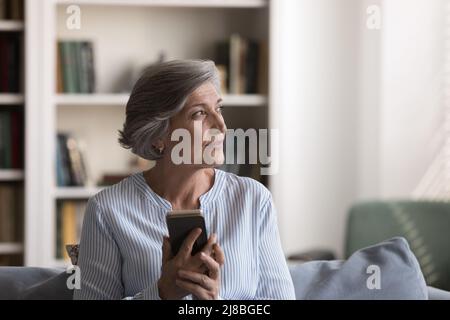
424, 224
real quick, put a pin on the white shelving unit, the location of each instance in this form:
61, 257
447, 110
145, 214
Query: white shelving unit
61, 193
11, 99
11, 25
174, 3
11, 175
183, 29
89, 100
10, 248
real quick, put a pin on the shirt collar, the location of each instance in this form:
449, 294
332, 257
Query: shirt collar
205, 199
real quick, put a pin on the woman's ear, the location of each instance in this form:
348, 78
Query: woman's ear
159, 145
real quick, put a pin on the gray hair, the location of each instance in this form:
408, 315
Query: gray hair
159, 94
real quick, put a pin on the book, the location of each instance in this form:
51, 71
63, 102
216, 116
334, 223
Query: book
70, 164
11, 9
11, 212
11, 139
69, 221
2, 9
77, 166
15, 9
75, 67
242, 68
10, 62
68, 225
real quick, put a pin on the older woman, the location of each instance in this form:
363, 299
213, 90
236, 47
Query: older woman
124, 249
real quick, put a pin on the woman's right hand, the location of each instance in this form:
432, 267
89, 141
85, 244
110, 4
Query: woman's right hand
183, 260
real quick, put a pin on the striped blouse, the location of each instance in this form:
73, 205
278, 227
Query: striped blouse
120, 249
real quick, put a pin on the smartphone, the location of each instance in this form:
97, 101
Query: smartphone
180, 223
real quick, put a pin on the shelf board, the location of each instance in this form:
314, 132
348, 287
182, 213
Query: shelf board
11, 25
173, 3
231, 100
98, 99
11, 98
11, 175
75, 192
10, 248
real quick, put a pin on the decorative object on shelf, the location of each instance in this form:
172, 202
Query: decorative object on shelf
72, 251
137, 164
70, 164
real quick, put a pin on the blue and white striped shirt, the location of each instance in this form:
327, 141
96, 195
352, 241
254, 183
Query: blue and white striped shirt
120, 249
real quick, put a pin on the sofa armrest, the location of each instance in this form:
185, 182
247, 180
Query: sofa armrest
312, 255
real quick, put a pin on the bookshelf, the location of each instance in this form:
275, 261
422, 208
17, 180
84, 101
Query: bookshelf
12, 110
168, 26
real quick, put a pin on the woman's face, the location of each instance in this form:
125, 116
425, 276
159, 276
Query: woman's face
202, 118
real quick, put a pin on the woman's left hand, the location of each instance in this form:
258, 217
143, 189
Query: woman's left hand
204, 286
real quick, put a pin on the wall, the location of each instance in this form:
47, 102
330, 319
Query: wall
368, 106
411, 111
313, 104
358, 109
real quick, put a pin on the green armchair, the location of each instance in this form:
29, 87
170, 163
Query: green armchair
424, 224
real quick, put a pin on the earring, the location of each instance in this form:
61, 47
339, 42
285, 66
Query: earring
161, 150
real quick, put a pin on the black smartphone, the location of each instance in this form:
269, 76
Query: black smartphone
180, 223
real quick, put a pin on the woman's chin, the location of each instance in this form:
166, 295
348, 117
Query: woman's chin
212, 162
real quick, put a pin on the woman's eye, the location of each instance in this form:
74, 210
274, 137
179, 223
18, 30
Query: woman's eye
219, 109
198, 113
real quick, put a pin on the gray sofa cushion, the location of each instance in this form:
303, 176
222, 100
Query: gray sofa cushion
53, 288
15, 280
438, 294
399, 271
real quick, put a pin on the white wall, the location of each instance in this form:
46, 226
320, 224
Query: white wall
357, 109
412, 60
368, 106
313, 102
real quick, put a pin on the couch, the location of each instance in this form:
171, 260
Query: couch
400, 278
50, 284
424, 224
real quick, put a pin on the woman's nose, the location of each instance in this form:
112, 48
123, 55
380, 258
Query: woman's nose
219, 123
